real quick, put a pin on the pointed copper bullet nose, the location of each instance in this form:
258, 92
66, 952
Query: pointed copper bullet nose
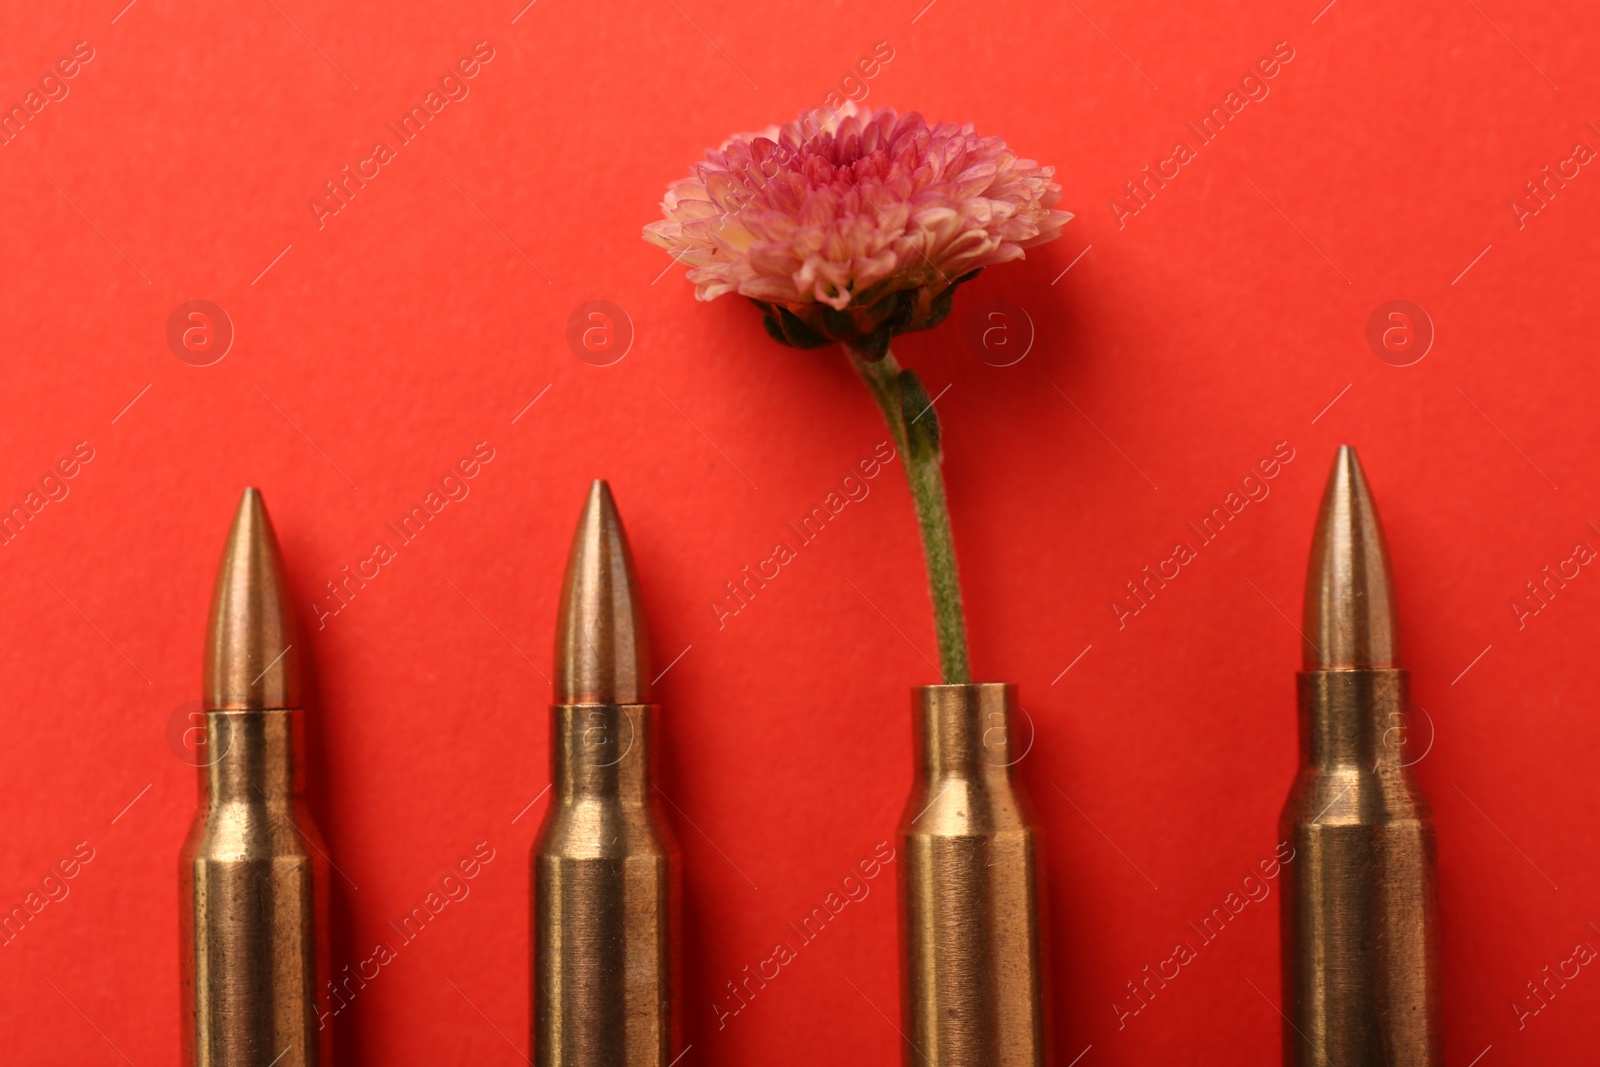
1350, 618
251, 659
600, 640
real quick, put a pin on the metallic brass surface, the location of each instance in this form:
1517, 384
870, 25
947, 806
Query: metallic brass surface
605, 870
970, 968
601, 654
1349, 607
1359, 904
1359, 932
605, 865
251, 660
253, 872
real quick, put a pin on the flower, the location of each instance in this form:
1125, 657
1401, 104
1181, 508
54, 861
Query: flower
855, 226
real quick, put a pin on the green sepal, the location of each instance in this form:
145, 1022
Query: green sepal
939, 309
783, 326
872, 347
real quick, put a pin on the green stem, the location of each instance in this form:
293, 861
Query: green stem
926, 480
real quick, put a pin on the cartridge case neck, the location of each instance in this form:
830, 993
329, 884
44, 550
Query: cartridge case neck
963, 731
970, 940
1359, 905
602, 750
606, 898
1353, 717
254, 756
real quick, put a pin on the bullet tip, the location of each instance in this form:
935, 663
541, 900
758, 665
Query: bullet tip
601, 655
1350, 620
251, 661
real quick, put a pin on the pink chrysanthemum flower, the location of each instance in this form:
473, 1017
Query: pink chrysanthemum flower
855, 226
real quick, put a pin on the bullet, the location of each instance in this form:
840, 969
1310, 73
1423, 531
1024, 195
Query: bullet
970, 937
605, 865
1359, 903
253, 872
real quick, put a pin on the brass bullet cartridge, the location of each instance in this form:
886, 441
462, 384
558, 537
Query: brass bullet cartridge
605, 864
1359, 905
253, 872
970, 972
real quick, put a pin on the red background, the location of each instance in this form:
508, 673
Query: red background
1223, 318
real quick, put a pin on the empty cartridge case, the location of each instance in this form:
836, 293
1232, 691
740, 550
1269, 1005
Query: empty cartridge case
970, 942
605, 865
253, 872
1358, 908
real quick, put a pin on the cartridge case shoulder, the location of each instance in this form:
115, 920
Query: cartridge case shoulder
252, 803
604, 799
961, 806
1325, 799
602, 828
240, 832
968, 880
1359, 901
604, 805
254, 879
605, 904
964, 749
1354, 751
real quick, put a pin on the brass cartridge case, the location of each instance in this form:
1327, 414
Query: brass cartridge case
254, 882
605, 912
1359, 902
970, 941
253, 873
1359, 906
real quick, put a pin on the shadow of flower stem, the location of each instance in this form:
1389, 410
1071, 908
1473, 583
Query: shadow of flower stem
914, 425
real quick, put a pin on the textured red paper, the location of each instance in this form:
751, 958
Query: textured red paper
1174, 348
